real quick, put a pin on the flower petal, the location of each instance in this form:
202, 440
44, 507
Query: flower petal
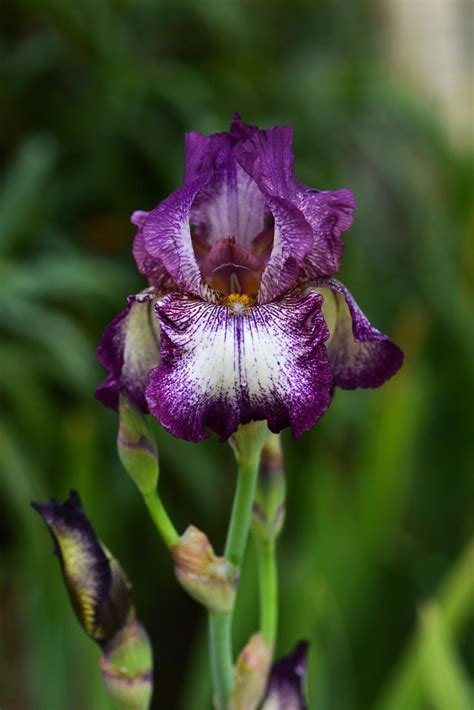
222, 366
329, 214
286, 686
167, 235
360, 355
150, 266
98, 588
230, 206
267, 157
129, 349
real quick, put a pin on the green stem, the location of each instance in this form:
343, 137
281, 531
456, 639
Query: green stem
239, 526
220, 647
221, 625
161, 519
268, 589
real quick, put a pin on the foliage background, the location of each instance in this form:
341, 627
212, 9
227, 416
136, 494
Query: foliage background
377, 556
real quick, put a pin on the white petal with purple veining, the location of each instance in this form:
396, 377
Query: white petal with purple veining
223, 366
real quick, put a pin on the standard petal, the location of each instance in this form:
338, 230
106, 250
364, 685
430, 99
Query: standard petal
267, 157
167, 235
360, 355
151, 267
129, 349
329, 214
223, 366
230, 206
98, 588
286, 685
291, 241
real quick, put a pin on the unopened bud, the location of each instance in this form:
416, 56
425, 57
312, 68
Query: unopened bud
126, 666
251, 674
209, 579
268, 513
101, 596
248, 440
98, 587
137, 447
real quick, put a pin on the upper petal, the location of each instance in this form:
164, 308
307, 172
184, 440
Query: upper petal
129, 349
221, 368
167, 235
231, 205
329, 214
148, 265
268, 158
360, 355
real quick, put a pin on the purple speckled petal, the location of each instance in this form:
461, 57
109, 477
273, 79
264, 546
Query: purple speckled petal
97, 585
223, 366
291, 241
287, 680
329, 214
360, 355
167, 235
230, 206
150, 266
267, 157
129, 349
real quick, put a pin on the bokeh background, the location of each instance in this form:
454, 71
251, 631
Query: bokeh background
377, 557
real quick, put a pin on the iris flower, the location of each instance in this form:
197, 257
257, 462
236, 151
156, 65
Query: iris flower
243, 319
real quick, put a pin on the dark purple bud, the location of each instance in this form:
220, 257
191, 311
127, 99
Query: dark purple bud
286, 689
98, 587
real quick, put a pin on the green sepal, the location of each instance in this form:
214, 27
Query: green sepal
127, 668
137, 447
268, 514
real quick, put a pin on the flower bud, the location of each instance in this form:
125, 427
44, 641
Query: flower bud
286, 687
137, 447
101, 596
126, 667
268, 512
209, 579
97, 585
251, 674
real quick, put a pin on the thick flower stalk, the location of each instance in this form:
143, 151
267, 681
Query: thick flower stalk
101, 597
243, 319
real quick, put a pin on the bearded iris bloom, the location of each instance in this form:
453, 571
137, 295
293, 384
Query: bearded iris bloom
243, 319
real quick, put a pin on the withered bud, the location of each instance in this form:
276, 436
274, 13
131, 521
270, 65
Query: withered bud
209, 579
251, 674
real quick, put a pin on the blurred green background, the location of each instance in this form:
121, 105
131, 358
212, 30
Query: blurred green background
377, 557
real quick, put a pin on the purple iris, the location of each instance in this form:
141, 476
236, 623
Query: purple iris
243, 319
